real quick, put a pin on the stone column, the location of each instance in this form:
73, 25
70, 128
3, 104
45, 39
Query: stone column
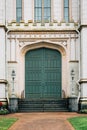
2, 63
83, 65
74, 75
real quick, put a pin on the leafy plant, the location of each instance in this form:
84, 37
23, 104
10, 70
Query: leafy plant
1, 105
83, 111
4, 111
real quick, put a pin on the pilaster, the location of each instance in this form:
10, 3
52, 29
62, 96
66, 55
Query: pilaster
83, 5
83, 66
3, 81
2, 12
83, 51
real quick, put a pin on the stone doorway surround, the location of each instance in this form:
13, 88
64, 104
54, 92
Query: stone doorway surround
30, 40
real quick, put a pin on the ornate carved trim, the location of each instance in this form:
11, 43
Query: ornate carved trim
50, 45
41, 39
43, 34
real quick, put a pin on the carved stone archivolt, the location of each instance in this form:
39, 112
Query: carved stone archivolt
49, 45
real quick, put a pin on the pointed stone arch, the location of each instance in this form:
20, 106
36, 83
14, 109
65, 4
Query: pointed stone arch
47, 44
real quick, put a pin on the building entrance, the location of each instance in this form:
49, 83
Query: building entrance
43, 74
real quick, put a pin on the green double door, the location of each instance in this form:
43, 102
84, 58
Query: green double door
43, 74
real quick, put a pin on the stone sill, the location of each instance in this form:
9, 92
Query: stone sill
12, 61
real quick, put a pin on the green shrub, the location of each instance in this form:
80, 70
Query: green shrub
83, 111
4, 111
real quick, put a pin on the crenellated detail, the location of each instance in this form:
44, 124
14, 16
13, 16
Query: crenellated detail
30, 25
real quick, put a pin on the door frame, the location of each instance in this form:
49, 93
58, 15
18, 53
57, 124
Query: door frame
49, 45
58, 86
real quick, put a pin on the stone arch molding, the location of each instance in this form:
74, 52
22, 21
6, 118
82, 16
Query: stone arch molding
39, 44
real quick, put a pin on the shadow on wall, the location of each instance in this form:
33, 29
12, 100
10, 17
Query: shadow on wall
22, 94
63, 94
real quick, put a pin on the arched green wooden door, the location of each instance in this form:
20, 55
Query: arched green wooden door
43, 74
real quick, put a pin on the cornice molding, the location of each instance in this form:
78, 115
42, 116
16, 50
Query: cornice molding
3, 81
75, 61
32, 36
42, 30
12, 61
82, 26
3, 26
83, 81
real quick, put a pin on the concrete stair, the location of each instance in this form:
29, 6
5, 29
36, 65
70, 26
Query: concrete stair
25, 105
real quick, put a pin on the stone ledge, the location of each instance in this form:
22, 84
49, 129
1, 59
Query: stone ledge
74, 61
3, 81
42, 26
73, 104
82, 103
12, 61
83, 81
83, 98
3, 26
82, 26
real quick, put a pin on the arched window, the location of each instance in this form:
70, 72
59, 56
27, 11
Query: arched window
66, 10
42, 10
18, 10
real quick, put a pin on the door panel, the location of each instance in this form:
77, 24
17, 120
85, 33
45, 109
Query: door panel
43, 74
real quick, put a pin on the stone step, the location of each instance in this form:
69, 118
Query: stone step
26, 105
42, 105
43, 101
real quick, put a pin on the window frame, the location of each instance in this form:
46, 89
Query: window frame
68, 9
17, 9
42, 13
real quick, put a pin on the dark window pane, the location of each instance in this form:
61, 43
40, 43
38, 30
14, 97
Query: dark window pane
38, 3
47, 3
47, 14
47, 10
66, 10
38, 10
18, 10
66, 3
38, 14
18, 3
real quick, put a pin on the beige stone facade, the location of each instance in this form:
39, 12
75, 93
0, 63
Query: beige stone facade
68, 38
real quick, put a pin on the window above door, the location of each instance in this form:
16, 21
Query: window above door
18, 10
42, 10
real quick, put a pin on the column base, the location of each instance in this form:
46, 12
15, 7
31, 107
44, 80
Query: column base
73, 104
13, 105
82, 103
